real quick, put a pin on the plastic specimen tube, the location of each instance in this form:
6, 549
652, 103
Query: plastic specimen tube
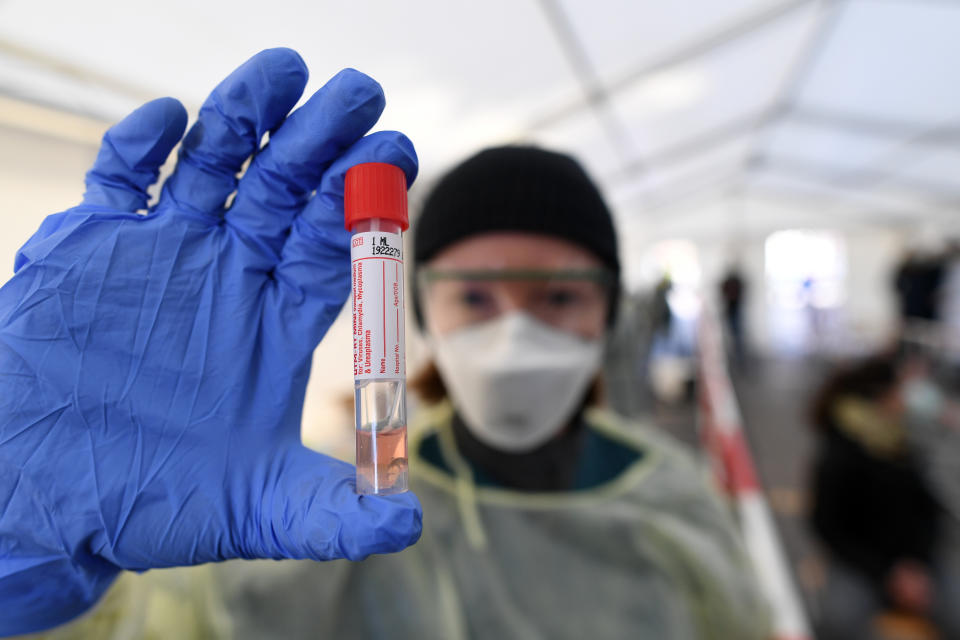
375, 207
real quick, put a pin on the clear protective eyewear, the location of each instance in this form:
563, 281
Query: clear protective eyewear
575, 300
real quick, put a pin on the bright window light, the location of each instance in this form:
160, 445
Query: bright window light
805, 269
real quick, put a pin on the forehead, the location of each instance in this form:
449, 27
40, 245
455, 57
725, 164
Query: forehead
514, 250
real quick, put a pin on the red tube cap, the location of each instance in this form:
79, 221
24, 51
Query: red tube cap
375, 190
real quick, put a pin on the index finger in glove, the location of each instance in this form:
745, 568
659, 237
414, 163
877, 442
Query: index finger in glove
313, 277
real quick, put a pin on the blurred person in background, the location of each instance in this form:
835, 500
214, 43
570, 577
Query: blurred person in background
874, 511
626, 381
950, 310
917, 281
670, 360
660, 310
733, 291
547, 516
932, 417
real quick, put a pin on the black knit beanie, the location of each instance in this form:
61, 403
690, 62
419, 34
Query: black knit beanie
516, 188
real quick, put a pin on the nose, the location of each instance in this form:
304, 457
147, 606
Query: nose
513, 296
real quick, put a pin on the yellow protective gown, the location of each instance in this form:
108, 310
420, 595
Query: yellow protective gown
651, 554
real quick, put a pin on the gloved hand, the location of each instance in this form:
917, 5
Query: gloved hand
153, 367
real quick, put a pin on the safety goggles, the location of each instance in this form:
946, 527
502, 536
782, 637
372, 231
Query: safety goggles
575, 300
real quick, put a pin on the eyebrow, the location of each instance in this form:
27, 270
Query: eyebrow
597, 274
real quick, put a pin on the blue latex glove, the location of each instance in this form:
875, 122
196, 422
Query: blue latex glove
153, 367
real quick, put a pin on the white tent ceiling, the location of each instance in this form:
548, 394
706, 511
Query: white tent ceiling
696, 115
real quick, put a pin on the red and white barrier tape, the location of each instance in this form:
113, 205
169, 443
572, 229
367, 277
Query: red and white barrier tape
722, 434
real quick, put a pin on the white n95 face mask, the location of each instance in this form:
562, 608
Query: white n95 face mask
924, 400
514, 380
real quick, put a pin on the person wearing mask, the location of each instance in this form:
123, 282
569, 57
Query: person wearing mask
932, 419
544, 515
873, 509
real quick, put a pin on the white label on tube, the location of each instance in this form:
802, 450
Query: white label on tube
377, 272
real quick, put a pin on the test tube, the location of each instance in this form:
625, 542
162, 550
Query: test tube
375, 207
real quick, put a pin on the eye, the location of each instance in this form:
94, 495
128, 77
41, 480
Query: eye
562, 297
475, 298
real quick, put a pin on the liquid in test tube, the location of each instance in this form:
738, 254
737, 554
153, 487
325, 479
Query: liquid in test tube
375, 207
